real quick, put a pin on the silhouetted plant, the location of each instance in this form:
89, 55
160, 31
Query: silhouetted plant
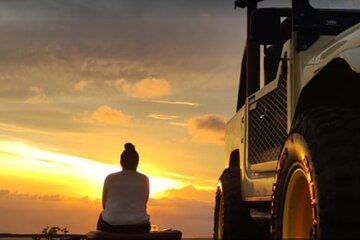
50, 233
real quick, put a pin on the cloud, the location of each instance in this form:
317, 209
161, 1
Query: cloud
207, 128
192, 104
38, 97
106, 115
82, 85
18, 129
189, 192
163, 117
180, 124
4, 193
144, 89
32, 213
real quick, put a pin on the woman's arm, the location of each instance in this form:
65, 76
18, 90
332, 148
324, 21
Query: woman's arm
147, 188
104, 195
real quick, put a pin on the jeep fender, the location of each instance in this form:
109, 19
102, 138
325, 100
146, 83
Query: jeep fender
346, 45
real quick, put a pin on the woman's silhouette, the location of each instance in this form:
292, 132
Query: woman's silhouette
125, 195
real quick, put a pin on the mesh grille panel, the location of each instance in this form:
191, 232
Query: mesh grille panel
268, 125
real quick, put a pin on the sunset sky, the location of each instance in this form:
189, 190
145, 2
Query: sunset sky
81, 78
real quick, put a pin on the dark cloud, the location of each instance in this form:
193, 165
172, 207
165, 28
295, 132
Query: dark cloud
211, 123
4, 193
61, 41
130, 26
58, 43
52, 45
208, 128
189, 193
32, 213
49, 197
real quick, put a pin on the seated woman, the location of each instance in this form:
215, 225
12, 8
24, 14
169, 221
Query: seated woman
125, 195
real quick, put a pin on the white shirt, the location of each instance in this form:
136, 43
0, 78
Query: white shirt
127, 193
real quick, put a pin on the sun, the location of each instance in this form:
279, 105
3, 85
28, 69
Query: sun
159, 185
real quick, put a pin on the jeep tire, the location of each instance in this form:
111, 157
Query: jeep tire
316, 193
231, 215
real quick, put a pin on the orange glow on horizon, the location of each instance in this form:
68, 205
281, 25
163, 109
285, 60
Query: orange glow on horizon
53, 173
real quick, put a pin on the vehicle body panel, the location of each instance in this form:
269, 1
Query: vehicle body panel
346, 45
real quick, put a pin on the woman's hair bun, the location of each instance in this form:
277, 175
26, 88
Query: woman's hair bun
129, 147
